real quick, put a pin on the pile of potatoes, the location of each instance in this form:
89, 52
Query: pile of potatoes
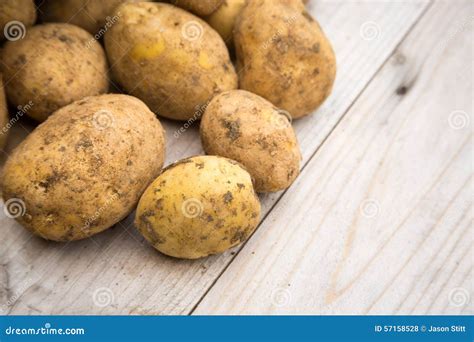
242, 68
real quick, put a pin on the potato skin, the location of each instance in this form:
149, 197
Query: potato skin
3, 115
223, 19
23, 11
283, 55
90, 15
197, 207
173, 74
199, 7
84, 169
249, 129
54, 65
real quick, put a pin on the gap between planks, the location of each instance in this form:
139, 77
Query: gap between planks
382, 65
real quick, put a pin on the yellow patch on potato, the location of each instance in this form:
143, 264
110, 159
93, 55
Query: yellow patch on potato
194, 67
147, 51
204, 60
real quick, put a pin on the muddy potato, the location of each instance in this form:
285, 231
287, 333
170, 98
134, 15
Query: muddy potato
284, 55
90, 15
15, 17
197, 207
247, 128
199, 7
84, 169
223, 19
54, 65
171, 59
3, 115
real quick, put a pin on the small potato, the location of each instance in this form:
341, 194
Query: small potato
223, 19
197, 207
54, 65
84, 168
249, 129
283, 55
199, 7
90, 15
3, 115
169, 58
15, 17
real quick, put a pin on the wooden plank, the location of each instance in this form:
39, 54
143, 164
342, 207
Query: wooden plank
380, 221
116, 272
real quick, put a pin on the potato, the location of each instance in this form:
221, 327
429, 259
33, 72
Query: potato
85, 167
3, 115
197, 207
54, 65
223, 19
283, 55
15, 17
249, 129
90, 15
199, 7
171, 59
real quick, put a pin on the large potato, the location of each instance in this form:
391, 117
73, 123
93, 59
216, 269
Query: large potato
15, 17
283, 55
199, 7
90, 15
84, 168
54, 65
249, 129
199, 206
223, 19
171, 59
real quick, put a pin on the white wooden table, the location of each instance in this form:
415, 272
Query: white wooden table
378, 222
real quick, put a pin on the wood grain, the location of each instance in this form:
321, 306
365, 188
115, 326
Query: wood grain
117, 268
380, 221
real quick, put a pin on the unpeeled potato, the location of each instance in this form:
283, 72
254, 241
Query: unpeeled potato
223, 19
16, 16
54, 65
247, 128
84, 168
199, 7
283, 55
199, 206
172, 60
